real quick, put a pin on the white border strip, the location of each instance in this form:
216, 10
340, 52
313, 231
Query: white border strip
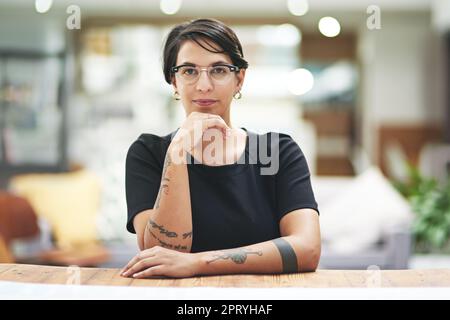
31, 291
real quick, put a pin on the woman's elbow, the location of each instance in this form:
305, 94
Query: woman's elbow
309, 258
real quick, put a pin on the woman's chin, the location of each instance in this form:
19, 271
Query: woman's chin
206, 109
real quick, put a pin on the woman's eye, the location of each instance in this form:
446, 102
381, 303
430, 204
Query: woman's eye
189, 71
219, 70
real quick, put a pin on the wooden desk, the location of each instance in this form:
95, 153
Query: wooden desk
318, 279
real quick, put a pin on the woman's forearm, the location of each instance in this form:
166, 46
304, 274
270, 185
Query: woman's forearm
170, 224
283, 255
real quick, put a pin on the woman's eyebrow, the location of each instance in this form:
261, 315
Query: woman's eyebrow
212, 64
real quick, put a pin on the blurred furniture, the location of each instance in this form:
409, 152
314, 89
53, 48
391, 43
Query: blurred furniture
319, 279
334, 141
391, 252
5, 254
69, 203
90, 255
17, 221
331, 105
390, 249
317, 48
411, 139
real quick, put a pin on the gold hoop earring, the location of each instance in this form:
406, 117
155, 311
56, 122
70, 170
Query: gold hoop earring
176, 96
237, 95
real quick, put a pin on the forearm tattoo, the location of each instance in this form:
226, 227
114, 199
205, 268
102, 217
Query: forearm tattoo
187, 235
238, 256
288, 256
168, 245
162, 230
164, 181
164, 188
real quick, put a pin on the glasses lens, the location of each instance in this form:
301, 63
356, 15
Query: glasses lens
220, 73
188, 73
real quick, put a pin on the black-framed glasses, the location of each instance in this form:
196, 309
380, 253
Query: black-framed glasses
189, 74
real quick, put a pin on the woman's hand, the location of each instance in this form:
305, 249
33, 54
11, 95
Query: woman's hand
190, 134
159, 261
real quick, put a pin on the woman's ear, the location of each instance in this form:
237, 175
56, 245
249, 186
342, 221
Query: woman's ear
241, 75
174, 84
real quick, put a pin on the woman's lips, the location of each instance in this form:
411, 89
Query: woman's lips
205, 102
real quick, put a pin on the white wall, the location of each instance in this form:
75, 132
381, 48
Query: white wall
402, 79
440, 10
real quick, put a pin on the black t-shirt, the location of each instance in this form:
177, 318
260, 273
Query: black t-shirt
232, 205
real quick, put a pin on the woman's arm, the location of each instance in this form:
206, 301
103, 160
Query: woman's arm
139, 222
298, 250
169, 224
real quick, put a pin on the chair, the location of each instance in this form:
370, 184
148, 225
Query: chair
364, 222
5, 255
69, 203
17, 221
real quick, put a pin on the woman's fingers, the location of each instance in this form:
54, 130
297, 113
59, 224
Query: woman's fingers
141, 265
192, 131
149, 272
210, 120
132, 262
129, 265
140, 256
217, 123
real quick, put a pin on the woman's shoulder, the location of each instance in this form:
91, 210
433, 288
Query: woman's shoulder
276, 134
150, 138
274, 148
274, 139
149, 143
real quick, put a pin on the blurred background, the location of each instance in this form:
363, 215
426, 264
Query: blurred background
363, 89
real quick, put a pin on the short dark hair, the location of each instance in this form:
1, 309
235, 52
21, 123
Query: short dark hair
211, 29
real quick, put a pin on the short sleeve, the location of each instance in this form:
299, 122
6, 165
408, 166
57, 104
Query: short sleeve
293, 182
143, 171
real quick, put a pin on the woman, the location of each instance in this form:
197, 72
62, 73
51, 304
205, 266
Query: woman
216, 212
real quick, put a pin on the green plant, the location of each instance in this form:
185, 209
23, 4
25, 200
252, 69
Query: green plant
430, 203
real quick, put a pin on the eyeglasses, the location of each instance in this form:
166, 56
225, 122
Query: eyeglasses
190, 74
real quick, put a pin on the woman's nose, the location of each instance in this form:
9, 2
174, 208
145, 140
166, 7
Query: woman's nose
204, 82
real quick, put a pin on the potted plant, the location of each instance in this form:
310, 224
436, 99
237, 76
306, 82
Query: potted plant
430, 203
